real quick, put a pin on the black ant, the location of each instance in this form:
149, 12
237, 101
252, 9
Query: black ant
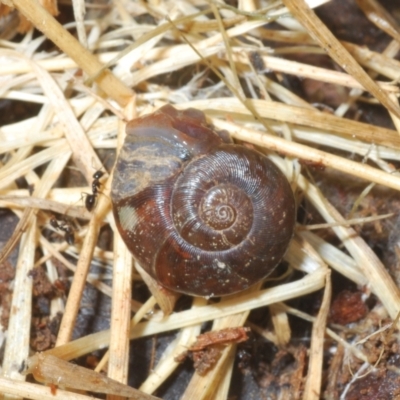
91, 198
65, 227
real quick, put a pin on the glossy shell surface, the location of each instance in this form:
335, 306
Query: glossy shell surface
202, 216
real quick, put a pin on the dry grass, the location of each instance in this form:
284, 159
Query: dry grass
195, 34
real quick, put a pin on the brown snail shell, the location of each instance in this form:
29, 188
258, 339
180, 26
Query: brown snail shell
202, 216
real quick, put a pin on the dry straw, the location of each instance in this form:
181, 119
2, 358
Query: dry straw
198, 35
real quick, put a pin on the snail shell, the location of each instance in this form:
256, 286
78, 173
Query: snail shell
202, 216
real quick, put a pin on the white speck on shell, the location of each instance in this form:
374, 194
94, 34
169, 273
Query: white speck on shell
221, 264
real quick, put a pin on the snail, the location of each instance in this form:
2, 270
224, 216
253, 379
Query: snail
202, 215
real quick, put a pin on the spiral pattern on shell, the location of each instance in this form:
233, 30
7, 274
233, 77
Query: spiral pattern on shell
202, 215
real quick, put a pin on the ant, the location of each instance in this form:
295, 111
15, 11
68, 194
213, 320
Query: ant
65, 227
91, 198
